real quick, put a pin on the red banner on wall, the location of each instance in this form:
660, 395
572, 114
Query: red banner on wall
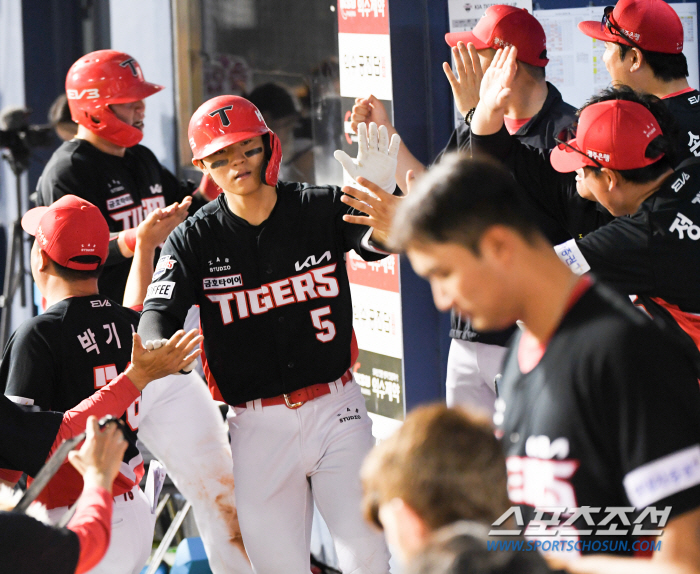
363, 16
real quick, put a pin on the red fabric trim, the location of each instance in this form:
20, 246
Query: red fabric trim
211, 381
689, 322
303, 395
513, 125
674, 94
530, 349
137, 308
11, 476
92, 522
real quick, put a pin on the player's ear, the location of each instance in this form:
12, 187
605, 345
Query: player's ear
45, 260
637, 59
199, 164
612, 178
497, 243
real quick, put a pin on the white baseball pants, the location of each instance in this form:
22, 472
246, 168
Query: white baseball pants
471, 369
132, 534
182, 426
284, 460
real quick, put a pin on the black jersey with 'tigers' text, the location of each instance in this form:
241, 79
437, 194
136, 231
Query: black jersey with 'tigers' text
609, 417
126, 189
57, 359
274, 299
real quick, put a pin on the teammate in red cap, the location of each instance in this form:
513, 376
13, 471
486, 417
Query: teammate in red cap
83, 340
105, 165
643, 50
621, 158
536, 114
265, 262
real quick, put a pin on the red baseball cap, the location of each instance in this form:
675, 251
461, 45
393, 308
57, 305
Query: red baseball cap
613, 134
502, 26
68, 228
651, 24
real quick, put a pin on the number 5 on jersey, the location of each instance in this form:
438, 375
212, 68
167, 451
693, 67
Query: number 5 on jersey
326, 327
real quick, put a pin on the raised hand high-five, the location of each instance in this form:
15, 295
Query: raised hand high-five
376, 157
465, 80
495, 92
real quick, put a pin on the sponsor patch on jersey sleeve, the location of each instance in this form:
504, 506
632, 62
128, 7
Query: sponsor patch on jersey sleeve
570, 254
663, 477
160, 290
165, 263
223, 282
119, 202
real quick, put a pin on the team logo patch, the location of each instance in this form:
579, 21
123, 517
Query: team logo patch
119, 202
223, 282
599, 155
160, 290
164, 264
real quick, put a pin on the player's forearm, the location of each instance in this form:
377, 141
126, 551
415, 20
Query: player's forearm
113, 400
92, 524
118, 252
486, 121
157, 325
140, 275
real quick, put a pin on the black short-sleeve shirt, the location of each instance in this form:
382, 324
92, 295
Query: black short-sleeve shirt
274, 299
609, 417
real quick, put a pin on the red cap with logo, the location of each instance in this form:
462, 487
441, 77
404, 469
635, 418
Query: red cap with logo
649, 24
67, 229
613, 134
502, 26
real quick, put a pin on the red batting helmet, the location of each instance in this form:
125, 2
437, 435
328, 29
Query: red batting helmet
227, 120
102, 78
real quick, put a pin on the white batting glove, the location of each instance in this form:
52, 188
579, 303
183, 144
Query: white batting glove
376, 157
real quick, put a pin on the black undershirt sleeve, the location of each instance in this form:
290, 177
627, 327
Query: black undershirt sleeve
157, 325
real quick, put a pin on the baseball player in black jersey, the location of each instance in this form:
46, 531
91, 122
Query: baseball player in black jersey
643, 50
80, 344
265, 262
536, 114
623, 156
585, 426
105, 165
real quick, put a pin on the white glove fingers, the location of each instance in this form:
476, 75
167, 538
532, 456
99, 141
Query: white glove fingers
362, 139
383, 139
373, 136
394, 146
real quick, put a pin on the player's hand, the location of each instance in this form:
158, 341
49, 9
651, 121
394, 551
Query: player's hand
465, 80
100, 457
379, 206
367, 110
155, 229
496, 83
157, 359
376, 157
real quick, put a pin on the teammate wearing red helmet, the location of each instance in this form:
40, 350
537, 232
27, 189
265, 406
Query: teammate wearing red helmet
266, 264
104, 164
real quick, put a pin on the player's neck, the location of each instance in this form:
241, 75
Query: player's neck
100, 143
527, 98
545, 293
254, 207
57, 289
660, 88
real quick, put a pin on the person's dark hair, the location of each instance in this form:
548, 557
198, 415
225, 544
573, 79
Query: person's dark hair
537, 72
665, 144
666, 67
457, 200
274, 100
72, 275
462, 548
59, 112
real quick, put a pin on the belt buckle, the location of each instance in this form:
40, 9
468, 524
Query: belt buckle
291, 405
